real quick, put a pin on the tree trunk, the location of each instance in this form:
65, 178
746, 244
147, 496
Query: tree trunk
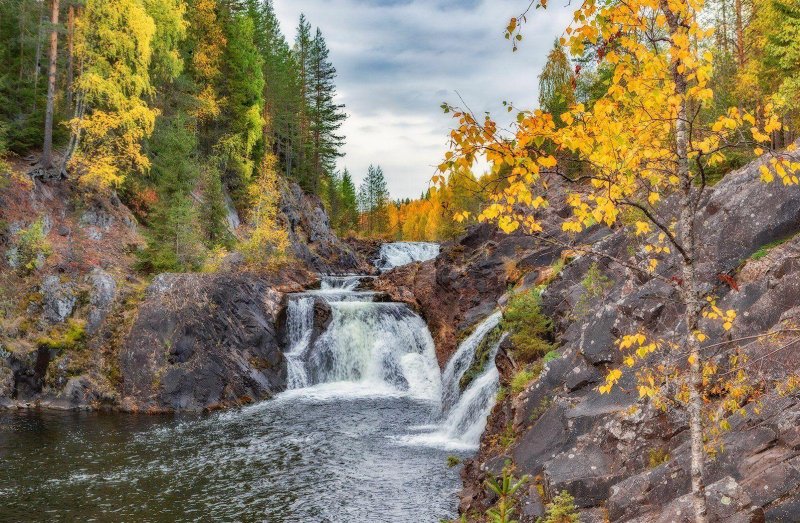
690, 287
38, 58
70, 50
47, 152
739, 33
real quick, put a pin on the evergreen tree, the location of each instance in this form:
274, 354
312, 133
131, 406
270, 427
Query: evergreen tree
302, 55
349, 211
325, 115
373, 196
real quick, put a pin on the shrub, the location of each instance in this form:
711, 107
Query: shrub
595, 284
528, 327
561, 510
32, 247
453, 461
482, 353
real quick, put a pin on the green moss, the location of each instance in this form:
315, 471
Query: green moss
656, 457
481, 358
71, 337
764, 250
524, 376
453, 461
528, 327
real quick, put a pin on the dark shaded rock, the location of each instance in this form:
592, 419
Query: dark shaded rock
206, 341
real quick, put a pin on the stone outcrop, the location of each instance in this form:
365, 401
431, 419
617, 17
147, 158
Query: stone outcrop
312, 240
620, 458
206, 341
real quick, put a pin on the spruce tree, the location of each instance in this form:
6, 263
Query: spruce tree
349, 201
325, 115
373, 196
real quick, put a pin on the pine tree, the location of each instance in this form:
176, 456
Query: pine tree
302, 55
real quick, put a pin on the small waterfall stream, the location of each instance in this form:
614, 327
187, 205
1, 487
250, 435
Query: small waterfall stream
372, 348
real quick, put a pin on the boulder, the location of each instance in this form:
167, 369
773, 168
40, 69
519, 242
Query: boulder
206, 341
103, 291
58, 299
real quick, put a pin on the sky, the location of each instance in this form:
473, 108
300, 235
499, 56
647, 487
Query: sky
399, 60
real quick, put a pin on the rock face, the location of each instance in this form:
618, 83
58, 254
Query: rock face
616, 453
204, 342
311, 237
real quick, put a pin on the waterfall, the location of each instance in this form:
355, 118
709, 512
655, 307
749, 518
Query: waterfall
373, 349
340, 283
464, 413
396, 254
462, 359
299, 325
383, 346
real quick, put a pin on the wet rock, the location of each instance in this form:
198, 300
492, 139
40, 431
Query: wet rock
58, 299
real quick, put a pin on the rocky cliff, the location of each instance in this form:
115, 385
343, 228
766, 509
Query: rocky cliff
81, 328
619, 457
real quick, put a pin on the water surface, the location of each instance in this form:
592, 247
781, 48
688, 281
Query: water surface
313, 456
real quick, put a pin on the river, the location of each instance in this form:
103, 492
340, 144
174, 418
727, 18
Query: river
363, 434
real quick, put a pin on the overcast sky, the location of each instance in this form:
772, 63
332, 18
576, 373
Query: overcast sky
398, 60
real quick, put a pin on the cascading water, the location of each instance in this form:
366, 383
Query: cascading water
465, 413
396, 254
300, 321
462, 359
383, 347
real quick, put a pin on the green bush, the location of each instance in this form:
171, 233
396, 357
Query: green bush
32, 247
70, 338
528, 327
453, 461
561, 510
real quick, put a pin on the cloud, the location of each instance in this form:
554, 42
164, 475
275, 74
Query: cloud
398, 60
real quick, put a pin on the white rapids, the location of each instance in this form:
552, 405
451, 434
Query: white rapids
397, 254
377, 349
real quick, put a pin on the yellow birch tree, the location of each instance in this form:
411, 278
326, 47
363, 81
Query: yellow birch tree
642, 142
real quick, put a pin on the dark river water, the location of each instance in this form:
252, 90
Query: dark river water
310, 456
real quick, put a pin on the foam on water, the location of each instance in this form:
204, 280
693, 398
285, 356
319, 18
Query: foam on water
396, 254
